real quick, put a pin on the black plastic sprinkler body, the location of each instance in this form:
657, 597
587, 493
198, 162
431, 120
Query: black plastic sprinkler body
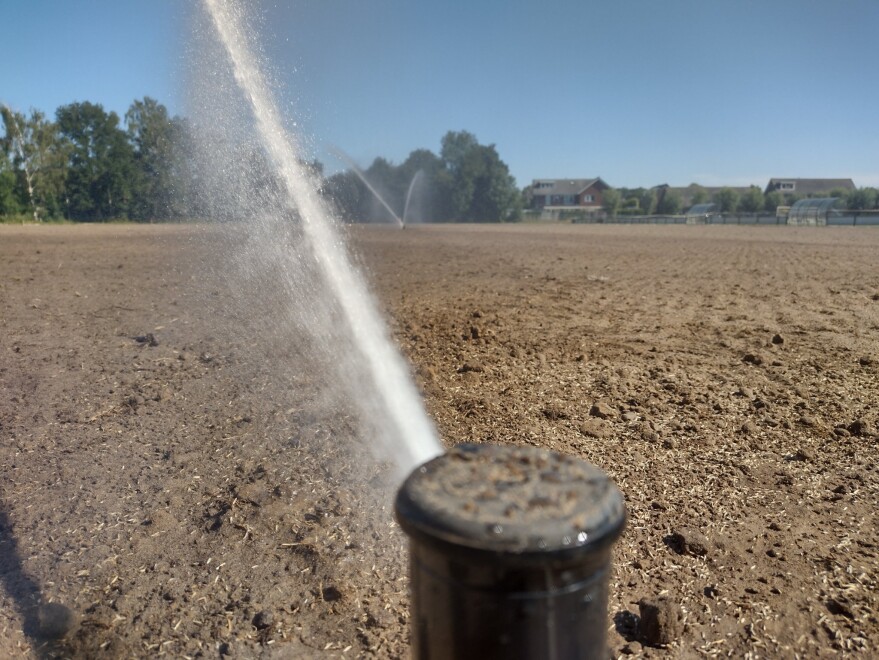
509, 554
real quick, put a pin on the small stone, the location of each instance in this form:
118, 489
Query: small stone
860, 427
149, 339
553, 412
603, 410
746, 392
660, 623
331, 594
669, 443
263, 619
777, 339
56, 620
804, 454
749, 428
593, 429
841, 432
806, 420
865, 361
474, 367
254, 493
840, 606
752, 358
632, 648
630, 417
649, 435
690, 541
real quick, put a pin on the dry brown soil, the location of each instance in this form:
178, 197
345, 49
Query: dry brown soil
176, 486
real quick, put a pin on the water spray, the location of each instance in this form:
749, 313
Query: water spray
360, 175
408, 433
412, 184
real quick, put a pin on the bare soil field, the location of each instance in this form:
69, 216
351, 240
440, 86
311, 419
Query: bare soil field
173, 484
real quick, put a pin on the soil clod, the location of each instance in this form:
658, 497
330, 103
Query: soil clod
660, 621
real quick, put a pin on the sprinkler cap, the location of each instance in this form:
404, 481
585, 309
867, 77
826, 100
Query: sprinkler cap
512, 501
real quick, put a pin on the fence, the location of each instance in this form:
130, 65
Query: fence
836, 217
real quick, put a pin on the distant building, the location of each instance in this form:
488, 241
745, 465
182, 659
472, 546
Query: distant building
808, 187
567, 193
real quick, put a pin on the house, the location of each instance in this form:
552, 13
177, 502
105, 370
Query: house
808, 187
567, 193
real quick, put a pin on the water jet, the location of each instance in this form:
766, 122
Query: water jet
360, 175
415, 179
372, 374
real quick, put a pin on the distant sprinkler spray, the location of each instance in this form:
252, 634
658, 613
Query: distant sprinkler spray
350, 162
412, 184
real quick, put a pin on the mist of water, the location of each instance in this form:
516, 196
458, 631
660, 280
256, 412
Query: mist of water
412, 185
360, 356
360, 175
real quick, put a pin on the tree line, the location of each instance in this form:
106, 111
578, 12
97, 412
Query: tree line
466, 182
666, 201
90, 165
86, 166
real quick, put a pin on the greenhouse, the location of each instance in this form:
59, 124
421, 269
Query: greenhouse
812, 211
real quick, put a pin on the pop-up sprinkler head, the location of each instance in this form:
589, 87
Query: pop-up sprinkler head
509, 554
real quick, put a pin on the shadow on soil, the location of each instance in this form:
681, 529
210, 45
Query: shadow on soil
40, 622
626, 624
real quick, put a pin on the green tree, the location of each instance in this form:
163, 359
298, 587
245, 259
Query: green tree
611, 200
9, 203
348, 194
671, 203
38, 161
727, 199
100, 167
862, 198
772, 200
752, 201
480, 185
647, 200
698, 194
152, 134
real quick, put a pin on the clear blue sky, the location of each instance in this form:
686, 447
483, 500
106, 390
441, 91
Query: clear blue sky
639, 92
